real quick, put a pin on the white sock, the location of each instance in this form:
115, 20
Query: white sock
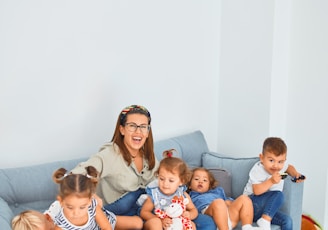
264, 224
250, 227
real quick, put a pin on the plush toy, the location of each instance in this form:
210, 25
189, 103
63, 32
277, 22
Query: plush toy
174, 211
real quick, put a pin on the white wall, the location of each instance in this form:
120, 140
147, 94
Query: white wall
237, 70
245, 73
67, 68
273, 82
307, 122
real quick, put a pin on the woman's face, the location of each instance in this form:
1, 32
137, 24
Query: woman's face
134, 140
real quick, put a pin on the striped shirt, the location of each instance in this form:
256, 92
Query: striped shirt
62, 222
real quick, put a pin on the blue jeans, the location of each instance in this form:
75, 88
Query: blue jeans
126, 205
204, 222
269, 204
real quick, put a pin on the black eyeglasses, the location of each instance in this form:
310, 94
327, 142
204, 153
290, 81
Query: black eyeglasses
132, 127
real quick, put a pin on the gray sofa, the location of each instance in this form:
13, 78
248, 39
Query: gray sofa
32, 188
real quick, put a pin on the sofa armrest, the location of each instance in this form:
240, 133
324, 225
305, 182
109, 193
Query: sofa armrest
5, 215
293, 201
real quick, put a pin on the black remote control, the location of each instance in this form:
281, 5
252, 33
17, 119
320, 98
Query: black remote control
302, 177
283, 175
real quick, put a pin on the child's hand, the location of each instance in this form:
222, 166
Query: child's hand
166, 222
186, 214
275, 178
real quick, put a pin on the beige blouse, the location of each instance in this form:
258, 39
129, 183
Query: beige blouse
117, 178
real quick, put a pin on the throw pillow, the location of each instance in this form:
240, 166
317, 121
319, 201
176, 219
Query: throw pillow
238, 167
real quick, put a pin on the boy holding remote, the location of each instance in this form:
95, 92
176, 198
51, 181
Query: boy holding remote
265, 184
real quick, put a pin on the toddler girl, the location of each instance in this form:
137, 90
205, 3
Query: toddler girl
210, 199
172, 175
80, 208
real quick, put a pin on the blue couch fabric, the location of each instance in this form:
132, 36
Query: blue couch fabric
31, 187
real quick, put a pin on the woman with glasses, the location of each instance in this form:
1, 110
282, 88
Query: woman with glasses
126, 165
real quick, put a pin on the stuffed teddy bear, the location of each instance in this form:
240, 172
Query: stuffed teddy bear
174, 211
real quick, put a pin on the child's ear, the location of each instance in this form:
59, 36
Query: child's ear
59, 199
261, 157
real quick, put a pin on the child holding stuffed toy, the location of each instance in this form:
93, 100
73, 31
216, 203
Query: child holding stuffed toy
265, 184
210, 199
168, 206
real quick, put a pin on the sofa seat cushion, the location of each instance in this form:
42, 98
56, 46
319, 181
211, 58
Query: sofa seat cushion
238, 167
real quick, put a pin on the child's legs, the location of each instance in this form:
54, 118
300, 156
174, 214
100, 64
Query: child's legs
267, 204
219, 211
283, 220
126, 206
241, 209
153, 224
128, 222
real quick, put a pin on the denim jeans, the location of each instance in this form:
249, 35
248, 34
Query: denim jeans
269, 204
204, 222
126, 205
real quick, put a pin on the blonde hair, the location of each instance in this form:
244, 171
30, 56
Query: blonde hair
28, 220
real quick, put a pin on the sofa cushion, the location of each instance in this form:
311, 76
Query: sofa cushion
5, 215
189, 147
238, 167
23, 188
224, 179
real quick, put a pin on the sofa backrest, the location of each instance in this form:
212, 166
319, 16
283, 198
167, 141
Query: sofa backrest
31, 187
238, 167
189, 147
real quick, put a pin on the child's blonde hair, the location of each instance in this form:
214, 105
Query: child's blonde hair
29, 220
